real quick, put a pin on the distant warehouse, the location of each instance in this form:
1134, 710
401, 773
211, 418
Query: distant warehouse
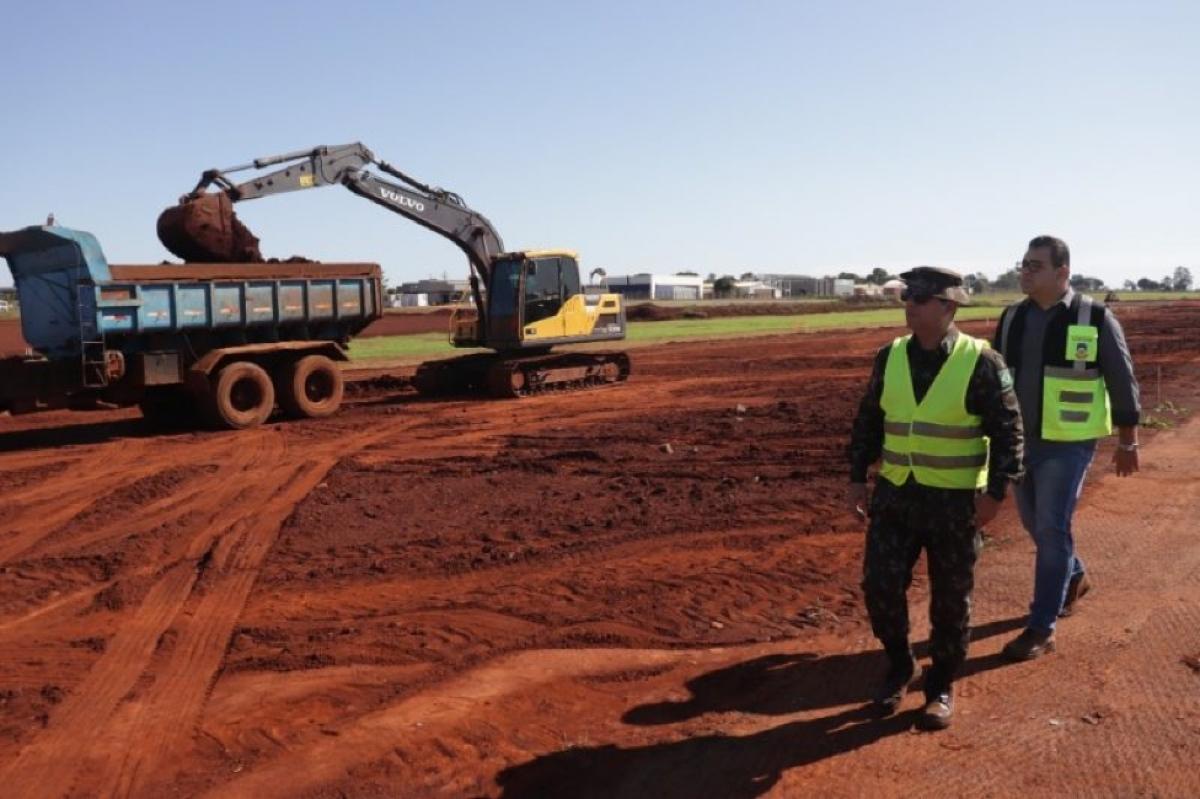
804, 286
656, 287
428, 292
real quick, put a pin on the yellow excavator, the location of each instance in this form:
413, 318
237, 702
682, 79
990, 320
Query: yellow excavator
524, 303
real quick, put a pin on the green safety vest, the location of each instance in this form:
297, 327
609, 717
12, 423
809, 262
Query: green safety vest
1074, 397
936, 441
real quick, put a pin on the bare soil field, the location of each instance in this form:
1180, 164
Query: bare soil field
645, 590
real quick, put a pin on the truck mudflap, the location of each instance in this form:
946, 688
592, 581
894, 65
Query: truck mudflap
507, 376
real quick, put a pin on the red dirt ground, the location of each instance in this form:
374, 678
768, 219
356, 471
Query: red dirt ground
648, 590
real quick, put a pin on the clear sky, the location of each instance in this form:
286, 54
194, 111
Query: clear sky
801, 137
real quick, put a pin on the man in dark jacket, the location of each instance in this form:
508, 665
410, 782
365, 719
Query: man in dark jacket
1074, 380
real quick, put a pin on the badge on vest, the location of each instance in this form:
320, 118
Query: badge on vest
1081, 342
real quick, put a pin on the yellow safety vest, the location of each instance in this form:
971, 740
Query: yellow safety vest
1074, 398
936, 441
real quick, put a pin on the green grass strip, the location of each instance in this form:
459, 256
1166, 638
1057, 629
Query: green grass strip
424, 346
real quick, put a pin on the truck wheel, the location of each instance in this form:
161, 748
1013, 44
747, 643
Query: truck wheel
312, 387
242, 396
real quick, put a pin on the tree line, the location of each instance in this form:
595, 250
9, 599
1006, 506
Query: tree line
978, 282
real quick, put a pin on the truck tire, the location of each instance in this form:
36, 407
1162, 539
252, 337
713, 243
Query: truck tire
311, 387
241, 396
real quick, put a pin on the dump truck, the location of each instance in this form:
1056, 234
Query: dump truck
222, 342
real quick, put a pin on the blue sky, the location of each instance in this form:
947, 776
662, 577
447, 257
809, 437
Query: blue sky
798, 137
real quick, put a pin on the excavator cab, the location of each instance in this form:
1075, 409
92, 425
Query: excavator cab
536, 300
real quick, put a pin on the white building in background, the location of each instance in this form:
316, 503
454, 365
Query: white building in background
842, 286
755, 290
645, 286
796, 286
411, 300
429, 292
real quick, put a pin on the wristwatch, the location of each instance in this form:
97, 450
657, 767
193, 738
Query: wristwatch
1128, 447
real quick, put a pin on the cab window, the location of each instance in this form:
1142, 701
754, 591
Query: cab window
543, 291
569, 271
505, 281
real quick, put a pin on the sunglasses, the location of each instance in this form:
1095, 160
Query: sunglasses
1030, 266
917, 298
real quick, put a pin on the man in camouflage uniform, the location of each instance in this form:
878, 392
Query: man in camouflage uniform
926, 496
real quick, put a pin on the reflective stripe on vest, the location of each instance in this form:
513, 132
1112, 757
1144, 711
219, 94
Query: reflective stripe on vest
1074, 398
937, 441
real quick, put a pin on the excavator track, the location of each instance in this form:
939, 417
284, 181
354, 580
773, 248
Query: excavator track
513, 376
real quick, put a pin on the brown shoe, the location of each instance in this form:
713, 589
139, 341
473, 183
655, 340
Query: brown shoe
1029, 645
1079, 585
896, 684
938, 712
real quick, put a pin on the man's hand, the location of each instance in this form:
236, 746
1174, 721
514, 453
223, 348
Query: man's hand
986, 508
1125, 456
856, 499
1126, 461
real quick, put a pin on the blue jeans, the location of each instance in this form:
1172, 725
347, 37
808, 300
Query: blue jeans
1046, 499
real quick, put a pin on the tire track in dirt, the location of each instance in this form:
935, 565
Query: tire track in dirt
16, 462
47, 766
171, 507
554, 573
78, 533
453, 606
376, 734
166, 715
41, 510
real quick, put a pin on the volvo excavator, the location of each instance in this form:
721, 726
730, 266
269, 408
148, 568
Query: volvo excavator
524, 303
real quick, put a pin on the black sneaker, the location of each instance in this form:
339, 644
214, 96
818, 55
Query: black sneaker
1079, 585
1029, 645
896, 683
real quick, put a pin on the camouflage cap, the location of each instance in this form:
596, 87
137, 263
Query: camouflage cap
936, 281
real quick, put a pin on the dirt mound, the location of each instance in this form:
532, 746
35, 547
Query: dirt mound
649, 312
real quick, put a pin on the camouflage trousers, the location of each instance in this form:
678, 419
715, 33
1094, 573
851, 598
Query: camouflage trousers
903, 521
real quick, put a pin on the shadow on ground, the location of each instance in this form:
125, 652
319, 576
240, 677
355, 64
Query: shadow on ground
73, 434
730, 766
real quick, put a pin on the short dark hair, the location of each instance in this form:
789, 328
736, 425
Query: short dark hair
1060, 254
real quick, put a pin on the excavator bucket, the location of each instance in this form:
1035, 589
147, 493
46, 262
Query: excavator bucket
206, 230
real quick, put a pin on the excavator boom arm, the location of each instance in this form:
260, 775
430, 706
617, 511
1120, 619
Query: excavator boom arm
441, 211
